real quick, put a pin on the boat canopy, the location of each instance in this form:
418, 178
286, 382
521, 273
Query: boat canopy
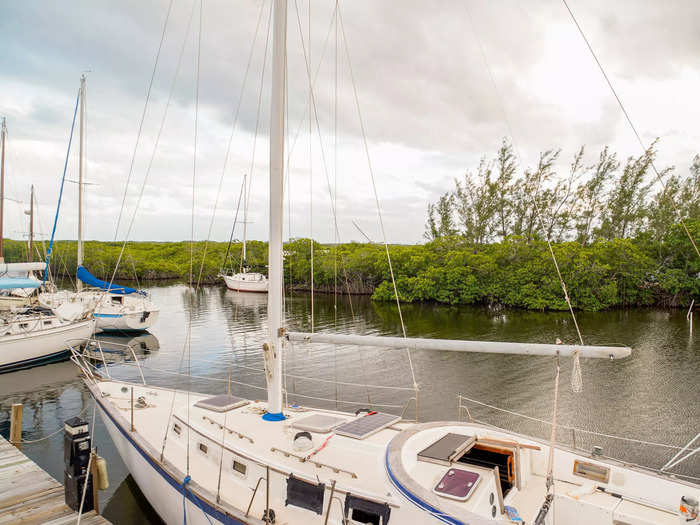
85, 276
12, 283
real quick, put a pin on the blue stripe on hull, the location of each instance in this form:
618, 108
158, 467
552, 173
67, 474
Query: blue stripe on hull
203, 504
61, 355
108, 315
436, 513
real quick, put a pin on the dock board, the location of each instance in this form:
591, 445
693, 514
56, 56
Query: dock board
29, 495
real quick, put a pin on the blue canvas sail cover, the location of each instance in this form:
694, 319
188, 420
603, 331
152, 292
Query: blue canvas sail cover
85, 276
12, 283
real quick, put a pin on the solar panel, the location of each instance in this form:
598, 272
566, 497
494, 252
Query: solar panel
365, 426
221, 403
320, 423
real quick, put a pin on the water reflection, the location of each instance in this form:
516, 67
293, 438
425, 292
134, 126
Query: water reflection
116, 348
652, 395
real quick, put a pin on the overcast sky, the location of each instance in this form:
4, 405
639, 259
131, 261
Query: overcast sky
430, 109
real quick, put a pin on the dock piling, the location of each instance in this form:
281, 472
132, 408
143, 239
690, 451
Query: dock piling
16, 425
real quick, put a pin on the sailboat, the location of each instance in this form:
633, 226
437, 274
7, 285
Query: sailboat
245, 280
30, 334
203, 459
119, 308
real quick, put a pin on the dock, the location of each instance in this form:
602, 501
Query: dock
29, 495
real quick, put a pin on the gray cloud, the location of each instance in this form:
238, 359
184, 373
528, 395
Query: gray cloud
429, 106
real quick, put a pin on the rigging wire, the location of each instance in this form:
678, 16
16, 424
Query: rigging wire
143, 186
60, 193
155, 145
233, 131
324, 162
576, 379
257, 128
376, 196
192, 239
233, 228
143, 117
311, 173
631, 124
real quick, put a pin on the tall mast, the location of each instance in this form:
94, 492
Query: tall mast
31, 224
3, 132
81, 166
273, 347
245, 217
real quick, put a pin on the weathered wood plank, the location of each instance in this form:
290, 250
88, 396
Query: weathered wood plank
29, 495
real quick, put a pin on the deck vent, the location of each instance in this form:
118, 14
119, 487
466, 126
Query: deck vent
221, 403
306, 495
361, 510
447, 449
320, 423
365, 426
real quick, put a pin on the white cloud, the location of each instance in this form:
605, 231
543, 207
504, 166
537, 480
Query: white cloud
429, 107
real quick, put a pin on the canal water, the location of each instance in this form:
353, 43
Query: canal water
653, 396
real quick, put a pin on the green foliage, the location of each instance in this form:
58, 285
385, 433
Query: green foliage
515, 272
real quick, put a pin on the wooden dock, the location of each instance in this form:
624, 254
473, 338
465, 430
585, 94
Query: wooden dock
29, 495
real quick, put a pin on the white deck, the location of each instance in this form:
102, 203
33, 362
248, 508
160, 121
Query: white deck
357, 466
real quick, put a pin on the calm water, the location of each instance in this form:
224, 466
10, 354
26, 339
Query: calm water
652, 396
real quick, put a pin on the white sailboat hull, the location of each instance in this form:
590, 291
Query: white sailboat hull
136, 321
112, 312
38, 346
382, 468
162, 488
244, 284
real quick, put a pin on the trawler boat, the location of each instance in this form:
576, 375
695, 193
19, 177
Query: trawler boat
118, 308
201, 459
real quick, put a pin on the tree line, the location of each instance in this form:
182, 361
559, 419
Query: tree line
601, 200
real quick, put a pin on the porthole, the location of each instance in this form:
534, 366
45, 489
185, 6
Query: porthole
203, 448
177, 429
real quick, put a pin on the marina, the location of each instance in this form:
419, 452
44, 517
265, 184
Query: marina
532, 359
661, 339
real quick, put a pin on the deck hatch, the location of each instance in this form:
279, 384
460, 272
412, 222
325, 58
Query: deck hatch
447, 449
457, 484
306, 495
221, 403
365, 426
320, 423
